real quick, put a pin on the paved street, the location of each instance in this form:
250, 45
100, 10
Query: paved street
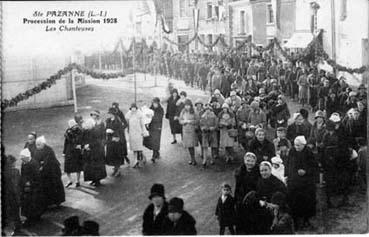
119, 203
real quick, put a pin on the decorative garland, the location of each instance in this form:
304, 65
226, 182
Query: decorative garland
181, 44
52, 81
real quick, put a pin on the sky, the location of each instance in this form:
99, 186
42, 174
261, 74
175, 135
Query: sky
32, 39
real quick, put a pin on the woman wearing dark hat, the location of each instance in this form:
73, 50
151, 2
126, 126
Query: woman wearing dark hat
315, 140
124, 123
189, 121
136, 131
116, 145
153, 141
156, 212
171, 114
209, 134
31, 143
179, 221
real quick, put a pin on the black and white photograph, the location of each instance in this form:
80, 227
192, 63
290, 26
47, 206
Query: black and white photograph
184, 117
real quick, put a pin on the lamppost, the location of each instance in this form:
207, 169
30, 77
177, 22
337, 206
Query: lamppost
315, 7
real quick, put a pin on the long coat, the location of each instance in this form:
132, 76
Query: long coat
153, 141
175, 127
135, 130
265, 188
115, 150
51, 182
261, 149
226, 211
73, 155
226, 121
184, 226
94, 157
245, 181
301, 189
279, 113
154, 225
190, 138
32, 195
209, 128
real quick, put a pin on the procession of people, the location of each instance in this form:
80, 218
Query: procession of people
283, 152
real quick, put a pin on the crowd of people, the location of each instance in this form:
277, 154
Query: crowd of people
283, 153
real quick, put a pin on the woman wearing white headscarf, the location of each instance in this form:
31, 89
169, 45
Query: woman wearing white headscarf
300, 169
50, 172
72, 151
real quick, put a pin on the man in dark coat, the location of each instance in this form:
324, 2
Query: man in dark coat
156, 212
171, 115
179, 221
50, 172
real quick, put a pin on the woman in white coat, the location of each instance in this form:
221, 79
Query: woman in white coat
136, 131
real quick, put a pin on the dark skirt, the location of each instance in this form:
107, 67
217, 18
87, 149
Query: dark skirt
73, 162
94, 165
175, 127
115, 153
152, 142
302, 200
53, 189
32, 202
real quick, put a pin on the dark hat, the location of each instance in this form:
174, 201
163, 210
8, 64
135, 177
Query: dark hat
226, 185
283, 142
71, 223
157, 190
279, 199
362, 86
133, 105
115, 104
90, 228
10, 159
183, 93
113, 111
156, 100
188, 102
304, 113
174, 91
330, 125
175, 205
95, 112
78, 118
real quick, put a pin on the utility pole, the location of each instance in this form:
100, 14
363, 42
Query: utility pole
134, 67
333, 21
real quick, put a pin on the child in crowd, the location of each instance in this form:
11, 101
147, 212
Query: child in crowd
278, 168
225, 210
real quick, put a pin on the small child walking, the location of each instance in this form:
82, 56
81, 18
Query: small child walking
225, 210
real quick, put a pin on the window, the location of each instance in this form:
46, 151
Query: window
270, 14
242, 23
210, 10
182, 9
216, 8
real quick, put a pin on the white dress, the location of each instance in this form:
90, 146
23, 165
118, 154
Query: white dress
136, 128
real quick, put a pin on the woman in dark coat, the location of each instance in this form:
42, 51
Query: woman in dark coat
156, 212
266, 187
153, 141
261, 147
93, 152
31, 143
247, 177
50, 172
172, 116
72, 151
32, 196
300, 172
116, 145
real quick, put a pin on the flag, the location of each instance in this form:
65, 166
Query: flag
196, 19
